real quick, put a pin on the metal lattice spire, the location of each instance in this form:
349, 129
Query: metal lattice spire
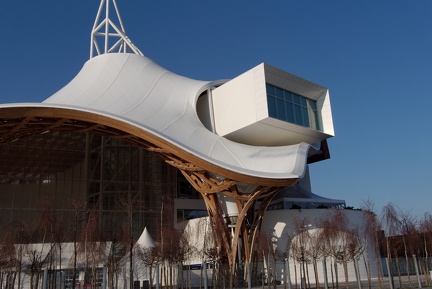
108, 36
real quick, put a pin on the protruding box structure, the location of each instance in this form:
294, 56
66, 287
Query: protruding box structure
270, 107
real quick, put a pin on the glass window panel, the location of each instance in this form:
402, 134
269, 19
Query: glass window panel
290, 117
270, 89
279, 92
303, 101
288, 106
281, 113
272, 108
305, 117
296, 99
297, 114
288, 96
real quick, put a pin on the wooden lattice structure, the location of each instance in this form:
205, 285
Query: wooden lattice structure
21, 122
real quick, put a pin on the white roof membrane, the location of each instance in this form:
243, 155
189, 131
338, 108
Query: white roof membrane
133, 89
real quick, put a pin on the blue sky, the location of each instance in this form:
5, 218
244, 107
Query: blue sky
374, 56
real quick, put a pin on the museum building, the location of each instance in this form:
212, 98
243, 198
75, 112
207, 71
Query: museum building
125, 128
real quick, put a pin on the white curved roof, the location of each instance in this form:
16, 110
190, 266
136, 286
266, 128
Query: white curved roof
133, 89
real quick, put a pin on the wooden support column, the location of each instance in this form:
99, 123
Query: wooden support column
209, 187
246, 203
220, 229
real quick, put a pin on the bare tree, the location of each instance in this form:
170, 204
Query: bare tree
48, 220
334, 237
307, 247
92, 247
21, 237
36, 256
409, 235
113, 226
175, 246
44, 231
8, 259
286, 257
78, 216
425, 229
270, 254
391, 223
355, 248
150, 258
370, 233
188, 250
300, 248
129, 204
174, 252
212, 257
263, 248
317, 251
205, 242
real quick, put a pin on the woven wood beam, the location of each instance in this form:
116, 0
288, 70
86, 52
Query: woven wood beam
18, 127
256, 228
56, 124
219, 227
243, 209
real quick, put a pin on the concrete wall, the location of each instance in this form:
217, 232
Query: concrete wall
285, 225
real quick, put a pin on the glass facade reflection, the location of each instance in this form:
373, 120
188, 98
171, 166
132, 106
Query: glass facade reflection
94, 173
291, 107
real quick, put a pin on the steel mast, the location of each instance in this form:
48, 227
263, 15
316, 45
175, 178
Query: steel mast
108, 34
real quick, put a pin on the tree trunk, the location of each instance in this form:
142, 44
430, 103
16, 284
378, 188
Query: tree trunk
368, 270
345, 267
315, 267
150, 276
399, 271
307, 275
357, 272
37, 280
407, 268
332, 275
379, 268
336, 274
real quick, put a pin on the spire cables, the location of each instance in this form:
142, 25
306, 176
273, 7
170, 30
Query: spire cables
108, 36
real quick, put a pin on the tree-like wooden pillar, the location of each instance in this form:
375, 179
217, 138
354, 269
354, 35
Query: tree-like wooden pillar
249, 219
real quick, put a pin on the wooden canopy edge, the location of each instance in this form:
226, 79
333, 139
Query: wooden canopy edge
23, 121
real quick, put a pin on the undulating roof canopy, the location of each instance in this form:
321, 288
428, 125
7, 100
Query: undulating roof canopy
129, 96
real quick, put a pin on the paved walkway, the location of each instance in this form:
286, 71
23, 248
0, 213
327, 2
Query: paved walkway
404, 284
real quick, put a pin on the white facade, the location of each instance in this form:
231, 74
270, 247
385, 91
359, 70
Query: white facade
283, 225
